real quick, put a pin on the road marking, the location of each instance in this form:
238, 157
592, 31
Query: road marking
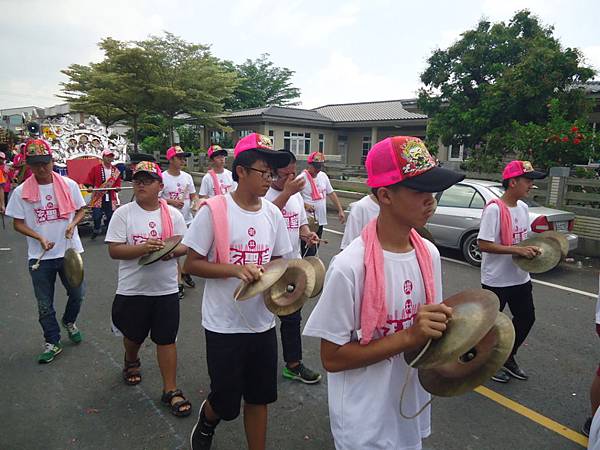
333, 231
533, 280
534, 416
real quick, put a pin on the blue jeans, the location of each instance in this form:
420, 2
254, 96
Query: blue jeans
97, 213
44, 279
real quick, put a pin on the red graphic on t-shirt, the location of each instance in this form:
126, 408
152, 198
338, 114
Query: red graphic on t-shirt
152, 224
47, 214
48, 197
139, 239
251, 244
519, 234
153, 233
291, 219
49, 205
251, 231
408, 287
252, 253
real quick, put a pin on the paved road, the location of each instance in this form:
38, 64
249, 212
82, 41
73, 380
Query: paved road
80, 402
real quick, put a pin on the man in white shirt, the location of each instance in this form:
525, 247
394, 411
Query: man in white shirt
361, 213
146, 301
241, 343
284, 193
179, 191
365, 366
47, 208
218, 180
499, 273
315, 193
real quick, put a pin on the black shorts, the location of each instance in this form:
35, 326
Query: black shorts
241, 365
137, 315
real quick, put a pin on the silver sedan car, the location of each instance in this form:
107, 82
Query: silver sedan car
455, 223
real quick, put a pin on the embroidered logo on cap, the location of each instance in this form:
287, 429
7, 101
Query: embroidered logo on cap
415, 158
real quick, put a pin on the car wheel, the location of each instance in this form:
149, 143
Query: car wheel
470, 250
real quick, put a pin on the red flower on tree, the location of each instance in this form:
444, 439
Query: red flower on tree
565, 139
574, 129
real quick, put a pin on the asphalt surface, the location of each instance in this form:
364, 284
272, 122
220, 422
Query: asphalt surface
80, 402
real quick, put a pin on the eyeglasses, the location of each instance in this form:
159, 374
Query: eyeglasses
143, 181
265, 174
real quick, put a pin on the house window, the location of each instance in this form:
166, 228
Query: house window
244, 133
321, 143
272, 137
297, 143
456, 152
217, 137
366, 146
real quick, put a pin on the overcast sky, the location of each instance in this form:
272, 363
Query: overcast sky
341, 51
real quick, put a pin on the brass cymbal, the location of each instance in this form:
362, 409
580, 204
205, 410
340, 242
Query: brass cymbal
475, 366
560, 238
73, 263
548, 258
290, 292
273, 271
426, 234
473, 314
170, 244
320, 271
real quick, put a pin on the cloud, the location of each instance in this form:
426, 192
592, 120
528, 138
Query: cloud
342, 80
592, 56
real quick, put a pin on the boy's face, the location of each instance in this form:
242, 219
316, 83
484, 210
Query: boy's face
146, 187
177, 162
219, 162
283, 174
256, 179
520, 186
41, 171
409, 207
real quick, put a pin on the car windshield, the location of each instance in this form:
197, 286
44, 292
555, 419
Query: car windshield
498, 190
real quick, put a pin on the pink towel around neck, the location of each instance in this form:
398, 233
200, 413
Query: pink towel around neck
506, 234
314, 191
373, 310
220, 224
31, 193
216, 184
166, 220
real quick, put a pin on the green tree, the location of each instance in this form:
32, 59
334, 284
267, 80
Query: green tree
262, 84
186, 81
497, 75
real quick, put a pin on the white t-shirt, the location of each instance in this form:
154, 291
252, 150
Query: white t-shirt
364, 402
294, 215
324, 187
42, 217
254, 237
598, 302
133, 225
179, 187
500, 270
225, 178
361, 213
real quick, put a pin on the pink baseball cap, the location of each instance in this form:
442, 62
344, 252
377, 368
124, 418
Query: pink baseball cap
406, 160
263, 145
315, 157
108, 152
215, 150
37, 151
176, 150
2, 155
521, 169
148, 167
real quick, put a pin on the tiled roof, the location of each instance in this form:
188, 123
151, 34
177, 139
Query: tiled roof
368, 112
280, 111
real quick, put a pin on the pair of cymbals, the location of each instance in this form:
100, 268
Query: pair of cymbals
548, 257
560, 238
477, 341
73, 264
170, 245
286, 284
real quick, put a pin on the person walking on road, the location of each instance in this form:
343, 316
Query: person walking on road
505, 223
47, 208
218, 180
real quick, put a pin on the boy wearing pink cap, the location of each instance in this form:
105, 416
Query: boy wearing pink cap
231, 237
381, 298
315, 193
504, 223
218, 180
103, 175
46, 208
146, 301
179, 191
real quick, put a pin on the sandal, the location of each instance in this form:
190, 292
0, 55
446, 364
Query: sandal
167, 398
132, 374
